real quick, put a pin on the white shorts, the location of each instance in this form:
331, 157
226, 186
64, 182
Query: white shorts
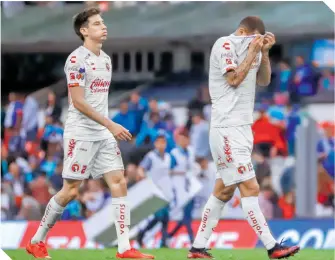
231, 149
83, 159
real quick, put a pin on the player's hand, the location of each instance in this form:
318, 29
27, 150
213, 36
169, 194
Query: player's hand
119, 131
256, 45
268, 41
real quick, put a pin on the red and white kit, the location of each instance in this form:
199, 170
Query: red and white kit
231, 138
89, 148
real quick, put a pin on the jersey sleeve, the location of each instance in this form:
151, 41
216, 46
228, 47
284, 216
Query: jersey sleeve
227, 57
146, 163
75, 72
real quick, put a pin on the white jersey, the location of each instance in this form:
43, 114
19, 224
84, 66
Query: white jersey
93, 73
231, 106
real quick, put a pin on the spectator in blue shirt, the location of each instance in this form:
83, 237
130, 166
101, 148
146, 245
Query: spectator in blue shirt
292, 121
304, 80
126, 118
284, 76
139, 106
327, 143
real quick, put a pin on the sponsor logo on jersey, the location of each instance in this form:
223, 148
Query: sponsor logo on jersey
99, 86
227, 150
72, 145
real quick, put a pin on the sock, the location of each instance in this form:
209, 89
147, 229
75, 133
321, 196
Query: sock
121, 214
52, 213
257, 221
210, 217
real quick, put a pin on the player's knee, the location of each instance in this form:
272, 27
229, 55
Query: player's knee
253, 190
67, 194
226, 194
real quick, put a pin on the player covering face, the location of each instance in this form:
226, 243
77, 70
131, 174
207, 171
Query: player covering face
238, 63
90, 146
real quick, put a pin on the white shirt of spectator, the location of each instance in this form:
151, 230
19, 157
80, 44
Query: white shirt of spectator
158, 169
231, 106
93, 73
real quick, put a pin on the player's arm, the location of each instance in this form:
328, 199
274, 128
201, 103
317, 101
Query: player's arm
264, 71
75, 74
145, 165
236, 74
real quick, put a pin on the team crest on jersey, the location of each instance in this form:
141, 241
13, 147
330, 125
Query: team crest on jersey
75, 167
107, 67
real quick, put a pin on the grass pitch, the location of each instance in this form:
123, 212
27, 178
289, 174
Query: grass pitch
172, 254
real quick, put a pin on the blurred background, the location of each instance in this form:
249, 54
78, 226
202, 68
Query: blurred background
160, 55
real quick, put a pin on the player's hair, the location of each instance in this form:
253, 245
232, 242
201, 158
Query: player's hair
81, 20
252, 24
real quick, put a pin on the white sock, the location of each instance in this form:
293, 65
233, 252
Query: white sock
210, 217
121, 214
52, 213
257, 221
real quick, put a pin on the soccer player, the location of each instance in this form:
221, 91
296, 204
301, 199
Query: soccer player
90, 146
180, 179
238, 63
157, 164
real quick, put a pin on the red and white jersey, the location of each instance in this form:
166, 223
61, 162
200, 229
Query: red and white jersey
93, 73
231, 106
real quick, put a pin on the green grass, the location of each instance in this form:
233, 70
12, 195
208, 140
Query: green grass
173, 254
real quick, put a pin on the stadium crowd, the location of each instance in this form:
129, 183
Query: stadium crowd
31, 155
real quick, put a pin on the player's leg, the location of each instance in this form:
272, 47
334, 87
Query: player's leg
249, 189
78, 156
249, 198
210, 217
53, 212
109, 162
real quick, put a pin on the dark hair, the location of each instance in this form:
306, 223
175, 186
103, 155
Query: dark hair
81, 20
252, 24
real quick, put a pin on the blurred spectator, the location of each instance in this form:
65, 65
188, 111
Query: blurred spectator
30, 207
29, 122
131, 175
7, 202
126, 118
16, 181
4, 162
269, 139
139, 106
284, 76
199, 135
265, 202
56, 179
287, 205
327, 142
261, 167
13, 122
304, 79
95, 197
326, 82
53, 108
40, 189
292, 121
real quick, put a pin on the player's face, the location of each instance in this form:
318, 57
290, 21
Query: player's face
96, 29
160, 144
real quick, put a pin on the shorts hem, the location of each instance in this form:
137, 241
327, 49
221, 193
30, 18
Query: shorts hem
239, 181
73, 178
98, 176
